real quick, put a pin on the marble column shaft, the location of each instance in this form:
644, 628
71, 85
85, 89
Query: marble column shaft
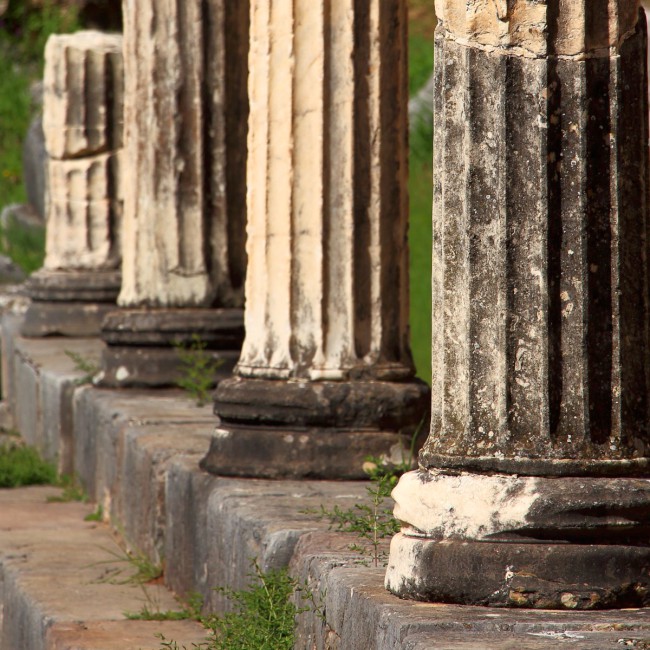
540, 282
326, 343
186, 106
184, 259
327, 289
533, 489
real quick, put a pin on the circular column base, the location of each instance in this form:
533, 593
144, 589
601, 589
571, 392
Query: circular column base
96, 285
536, 575
314, 429
143, 345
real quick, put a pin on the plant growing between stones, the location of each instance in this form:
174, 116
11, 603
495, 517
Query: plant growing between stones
263, 617
141, 569
72, 490
188, 610
21, 465
97, 515
372, 521
197, 368
83, 364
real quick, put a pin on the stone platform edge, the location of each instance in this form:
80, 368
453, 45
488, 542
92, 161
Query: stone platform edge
136, 452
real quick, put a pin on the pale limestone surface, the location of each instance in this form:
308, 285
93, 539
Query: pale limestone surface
84, 211
465, 506
327, 284
82, 98
82, 121
178, 234
534, 28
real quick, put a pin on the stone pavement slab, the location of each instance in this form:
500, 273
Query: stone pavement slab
58, 585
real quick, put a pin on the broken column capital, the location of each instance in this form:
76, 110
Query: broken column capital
568, 28
83, 124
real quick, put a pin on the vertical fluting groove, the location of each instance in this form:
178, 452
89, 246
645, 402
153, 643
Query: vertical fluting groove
555, 124
328, 261
391, 251
404, 298
280, 237
617, 356
236, 36
485, 217
307, 192
212, 152
601, 219
438, 307
75, 108
189, 139
377, 67
362, 178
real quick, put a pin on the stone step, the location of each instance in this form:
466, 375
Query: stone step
59, 589
138, 453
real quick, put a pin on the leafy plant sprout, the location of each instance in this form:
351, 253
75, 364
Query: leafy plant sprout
198, 368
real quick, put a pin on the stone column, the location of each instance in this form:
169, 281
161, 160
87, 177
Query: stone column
532, 489
325, 376
184, 187
82, 122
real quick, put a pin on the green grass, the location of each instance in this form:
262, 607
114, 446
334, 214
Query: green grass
421, 189
20, 466
14, 120
25, 245
23, 34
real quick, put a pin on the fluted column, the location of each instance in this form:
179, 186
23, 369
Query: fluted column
184, 186
540, 312
82, 123
327, 284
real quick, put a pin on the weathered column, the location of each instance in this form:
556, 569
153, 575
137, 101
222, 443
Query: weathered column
532, 489
82, 122
186, 109
325, 376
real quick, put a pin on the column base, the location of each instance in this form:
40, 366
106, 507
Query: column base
320, 430
521, 541
143, 344
536, 575
73, 319
69, 303
74, 286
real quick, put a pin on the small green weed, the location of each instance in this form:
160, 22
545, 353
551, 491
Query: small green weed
189, 610
197, 368
372, 521
98, 515
21, 465
140, 568
83, 364
263, 617
72, 490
